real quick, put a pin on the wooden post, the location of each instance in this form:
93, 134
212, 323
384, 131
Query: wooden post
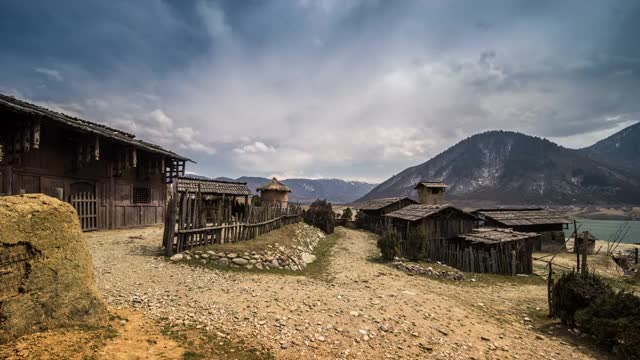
550, 289
575, 245
636, 256
170, 222
36, 134
513, 263
584, 247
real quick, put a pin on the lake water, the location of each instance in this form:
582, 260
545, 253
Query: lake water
604, 229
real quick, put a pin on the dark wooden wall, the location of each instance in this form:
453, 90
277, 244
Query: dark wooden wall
53, 165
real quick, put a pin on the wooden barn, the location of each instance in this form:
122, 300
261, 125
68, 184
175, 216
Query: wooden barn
371, 213
550, 226
112, 179
435, 221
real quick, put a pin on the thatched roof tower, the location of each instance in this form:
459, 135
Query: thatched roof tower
275, 192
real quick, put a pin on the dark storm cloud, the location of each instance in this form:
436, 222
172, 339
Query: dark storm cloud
345, 88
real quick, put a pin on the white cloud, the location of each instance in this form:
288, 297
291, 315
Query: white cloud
50, 73
256, 147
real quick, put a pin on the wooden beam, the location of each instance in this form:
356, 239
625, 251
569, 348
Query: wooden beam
134, 157
36, 134
96, 149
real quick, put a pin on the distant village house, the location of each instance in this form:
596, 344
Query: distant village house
112, 179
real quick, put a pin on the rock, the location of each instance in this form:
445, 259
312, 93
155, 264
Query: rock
275, 264
539, 337
176, 257
308, 258
353, 313
259, 266
284, 346
240, 261
223, 262
232, 255
484, 338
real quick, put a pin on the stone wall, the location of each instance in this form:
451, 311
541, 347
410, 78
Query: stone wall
294, 254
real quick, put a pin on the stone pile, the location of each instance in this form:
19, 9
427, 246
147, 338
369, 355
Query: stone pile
419, 270
293, 255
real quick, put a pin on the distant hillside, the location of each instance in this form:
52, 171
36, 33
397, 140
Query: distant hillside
513, 168
307, 190
621, 149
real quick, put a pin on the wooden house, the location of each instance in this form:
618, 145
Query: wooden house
112, 179
549, 225
435, 221
431, 192
274, 192
371, 213
585, 242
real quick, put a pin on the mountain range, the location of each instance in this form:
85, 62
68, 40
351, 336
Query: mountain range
513, 168
305, 191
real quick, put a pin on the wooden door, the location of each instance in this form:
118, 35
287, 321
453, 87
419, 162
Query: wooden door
86, 204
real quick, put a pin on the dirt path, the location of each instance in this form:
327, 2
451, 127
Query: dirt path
365, 310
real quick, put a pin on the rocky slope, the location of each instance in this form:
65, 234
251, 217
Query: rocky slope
514, 168
621, 149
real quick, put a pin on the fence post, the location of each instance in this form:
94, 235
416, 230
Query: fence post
637, 256
550, 289
513, 263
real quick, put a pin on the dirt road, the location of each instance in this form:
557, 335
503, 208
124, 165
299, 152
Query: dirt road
363, 309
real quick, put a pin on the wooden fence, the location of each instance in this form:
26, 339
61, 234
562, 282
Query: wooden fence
196, 219
506, 258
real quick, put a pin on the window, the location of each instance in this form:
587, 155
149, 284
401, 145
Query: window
141, 195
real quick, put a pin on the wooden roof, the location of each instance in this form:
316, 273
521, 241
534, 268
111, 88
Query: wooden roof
12, 104
522, 216
417, 212
496, 235
274, 185
431, 184
378, 204
215, 187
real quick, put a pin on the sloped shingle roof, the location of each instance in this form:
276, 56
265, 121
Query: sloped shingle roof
378, 204
421, 211
496, 235
213, 187
431, 184
12, 104
522, 216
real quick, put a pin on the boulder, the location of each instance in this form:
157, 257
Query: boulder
46, 271
240, 261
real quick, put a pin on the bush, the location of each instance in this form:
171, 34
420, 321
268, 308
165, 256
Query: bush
614, 320
347, 214
416, 244
389, 244
361, 220
256, 201
575, 291
320, 214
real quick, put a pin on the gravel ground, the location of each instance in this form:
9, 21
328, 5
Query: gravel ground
367, 309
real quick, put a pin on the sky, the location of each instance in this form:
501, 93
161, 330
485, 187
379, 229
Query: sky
351, 89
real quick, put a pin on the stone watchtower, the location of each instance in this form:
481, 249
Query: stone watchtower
431, 192
274, 192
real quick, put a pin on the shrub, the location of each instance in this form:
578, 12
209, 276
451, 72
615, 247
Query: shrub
614, 320
575, 291
320, 214
256, 201
361, 220
416, 244
389, 244
347, 214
